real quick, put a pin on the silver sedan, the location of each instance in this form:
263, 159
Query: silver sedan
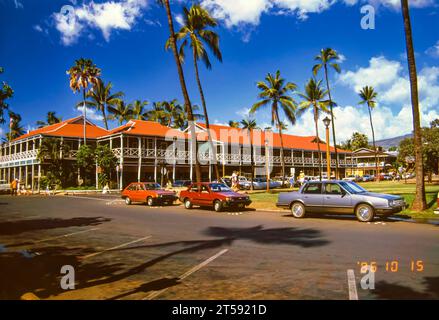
340, 197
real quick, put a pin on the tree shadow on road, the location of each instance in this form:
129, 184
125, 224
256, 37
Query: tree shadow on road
41, 273
20, 226
386, 290
155, 285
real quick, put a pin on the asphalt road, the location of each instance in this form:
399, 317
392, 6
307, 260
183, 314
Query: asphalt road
136, 252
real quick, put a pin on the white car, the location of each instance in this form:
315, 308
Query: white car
5, 187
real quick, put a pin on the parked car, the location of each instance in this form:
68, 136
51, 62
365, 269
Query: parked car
5, 187
150, 193
181, 183
344, 197
368, 177
353, 178
216, 195
385, 177
259, 183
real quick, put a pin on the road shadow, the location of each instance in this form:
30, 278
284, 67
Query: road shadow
290, 236
347, 217
392, 291
207, 208
155, 285
20, 226
39, 271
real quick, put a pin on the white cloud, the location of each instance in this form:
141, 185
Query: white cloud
350, 119
243, 113
393, 87
91, 114
380, 72
237, 12
106, 16
434, 50
18, 4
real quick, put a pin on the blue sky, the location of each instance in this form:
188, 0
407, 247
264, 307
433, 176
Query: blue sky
125, 38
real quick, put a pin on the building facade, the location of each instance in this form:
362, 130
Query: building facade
147, 151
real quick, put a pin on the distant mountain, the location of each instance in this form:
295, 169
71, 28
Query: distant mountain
391, 142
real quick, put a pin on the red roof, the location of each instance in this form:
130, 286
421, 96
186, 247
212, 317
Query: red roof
147, 128
68, 128
230, 135
74, 128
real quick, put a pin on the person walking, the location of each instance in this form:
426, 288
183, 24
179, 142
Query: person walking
14, 185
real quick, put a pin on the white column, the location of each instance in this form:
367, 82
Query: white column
26, 172
155, 160
191, 172
139, 168
39, 177
121, 162
32, 177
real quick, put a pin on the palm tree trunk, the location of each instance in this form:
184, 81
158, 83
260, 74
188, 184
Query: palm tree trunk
252, 165
282, 159
105, 117
84, 114
374, 146
332, 123
316, 120
206, 117
419, 202
187, 102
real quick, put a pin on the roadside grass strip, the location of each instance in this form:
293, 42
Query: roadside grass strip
155, 294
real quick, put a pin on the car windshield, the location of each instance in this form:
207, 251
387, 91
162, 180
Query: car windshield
152, 186
219, 187
352, 187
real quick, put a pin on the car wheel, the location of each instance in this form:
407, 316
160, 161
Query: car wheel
218, 206
150, 201
127, 201
188, 204
298, 210
364, 213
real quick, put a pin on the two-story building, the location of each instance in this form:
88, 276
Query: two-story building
147, 150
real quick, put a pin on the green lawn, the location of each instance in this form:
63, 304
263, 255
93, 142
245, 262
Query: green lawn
263, 200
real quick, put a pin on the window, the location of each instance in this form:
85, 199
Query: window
313, 188
332, 188
204, 189
132, 187
194, 188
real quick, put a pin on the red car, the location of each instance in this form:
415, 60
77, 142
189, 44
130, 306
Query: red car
149, 192
216, 195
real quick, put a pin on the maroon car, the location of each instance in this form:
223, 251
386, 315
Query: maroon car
216, 195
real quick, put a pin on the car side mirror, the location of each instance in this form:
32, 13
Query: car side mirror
343, 193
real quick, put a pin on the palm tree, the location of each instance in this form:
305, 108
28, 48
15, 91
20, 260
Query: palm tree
329, 57
368, 97
187, 101
100, 98
15, 128
138, 109
157, 113
6, 92
250, 125
283, 125
275, 91
314, 98
172, 111
51, 118
83, 74
122, 112
234, 124
196, 22
419, 202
